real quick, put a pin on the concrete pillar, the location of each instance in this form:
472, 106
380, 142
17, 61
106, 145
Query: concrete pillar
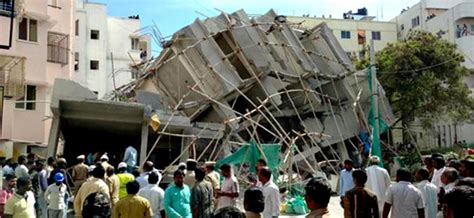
185, 141
342, 150
53, 137
144, 142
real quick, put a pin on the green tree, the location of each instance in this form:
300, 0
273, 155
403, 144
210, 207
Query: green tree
423, 78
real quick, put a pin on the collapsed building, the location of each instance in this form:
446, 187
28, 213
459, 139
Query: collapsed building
262, 79
238, 79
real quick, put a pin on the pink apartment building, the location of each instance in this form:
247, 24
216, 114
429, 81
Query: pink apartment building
34, 52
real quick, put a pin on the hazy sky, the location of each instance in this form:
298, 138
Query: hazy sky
171, 15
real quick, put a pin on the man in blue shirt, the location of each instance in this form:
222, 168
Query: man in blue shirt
178, 198
130, 158
345, 178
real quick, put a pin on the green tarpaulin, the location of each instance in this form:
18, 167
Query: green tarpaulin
250, 154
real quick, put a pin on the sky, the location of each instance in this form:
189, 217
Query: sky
171, 15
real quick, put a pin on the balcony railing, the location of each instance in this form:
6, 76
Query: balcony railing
58, 48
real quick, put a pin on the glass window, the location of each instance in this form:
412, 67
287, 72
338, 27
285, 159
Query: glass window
94, 65
415, 21
135, 44
361, 37
76, 61
376, 35
28, 101
23, 29
95, 34
77, 27
345, 34
28, 30
33, 31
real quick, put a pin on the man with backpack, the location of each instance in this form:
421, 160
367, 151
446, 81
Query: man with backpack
93, 198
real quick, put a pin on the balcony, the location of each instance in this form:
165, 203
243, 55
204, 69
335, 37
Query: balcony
463, 10
58, 48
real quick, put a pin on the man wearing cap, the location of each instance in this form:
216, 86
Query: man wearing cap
80, 173
212, 176
124, 178
104, 159
190, 177
55, 196
378, 180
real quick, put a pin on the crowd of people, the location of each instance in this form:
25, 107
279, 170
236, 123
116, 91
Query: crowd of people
33, 188
440, 190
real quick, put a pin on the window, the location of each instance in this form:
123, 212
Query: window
53, 3
58, 48
6, 5
94, 65
76, 61
77, 28
415, 21
135, 44
95, 34
28, 101
376, 35
402, 27
345, 34
361, 37
472, 28
28, 30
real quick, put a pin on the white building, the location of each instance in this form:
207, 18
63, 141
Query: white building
105, 47
442, 17
354, 35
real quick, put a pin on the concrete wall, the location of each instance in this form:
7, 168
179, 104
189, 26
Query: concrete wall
121, 31
388, 31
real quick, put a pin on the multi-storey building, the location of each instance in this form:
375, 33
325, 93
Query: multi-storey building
354, 35
36, 49
106, 48
452, 20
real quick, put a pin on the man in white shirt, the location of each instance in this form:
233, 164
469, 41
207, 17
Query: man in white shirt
155, 195
429, 192
271, 194
403, 198
378, 180
148, 167
449, 178
439, 165
229, 191
21, 170
190, 177
55, 196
